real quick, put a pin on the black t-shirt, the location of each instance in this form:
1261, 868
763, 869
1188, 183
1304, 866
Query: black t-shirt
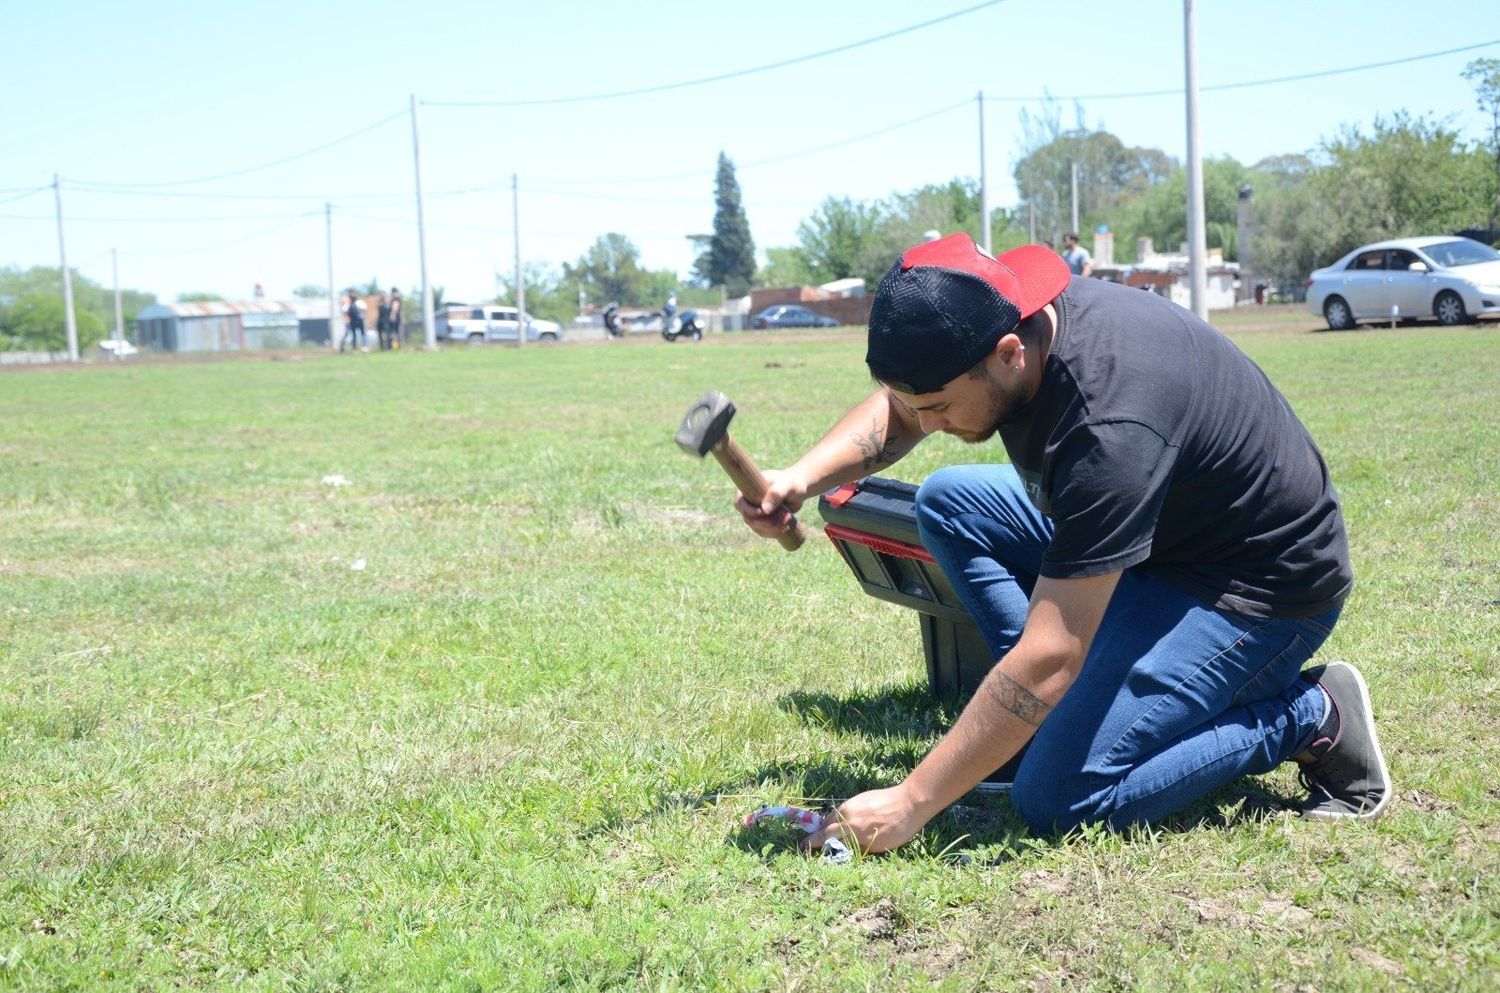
1155, 442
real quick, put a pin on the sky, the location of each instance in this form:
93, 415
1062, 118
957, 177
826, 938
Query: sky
138, 106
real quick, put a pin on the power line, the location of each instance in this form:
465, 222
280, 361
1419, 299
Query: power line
859, 137
1244, 84
152, 189
486, 187
29, 193
697, 201
713, 79
249, 169
276, 229
782, 158
148, 220
235, 196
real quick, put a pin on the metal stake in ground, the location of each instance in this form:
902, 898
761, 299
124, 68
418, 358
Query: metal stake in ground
705, 429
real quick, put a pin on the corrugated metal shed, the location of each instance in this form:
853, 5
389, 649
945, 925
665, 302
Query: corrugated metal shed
224, 308
217, 326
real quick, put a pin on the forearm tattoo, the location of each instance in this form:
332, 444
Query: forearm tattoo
877, 452
1016, 699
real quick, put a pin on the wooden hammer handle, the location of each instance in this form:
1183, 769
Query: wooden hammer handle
742, 471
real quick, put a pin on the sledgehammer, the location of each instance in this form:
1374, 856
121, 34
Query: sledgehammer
705, 429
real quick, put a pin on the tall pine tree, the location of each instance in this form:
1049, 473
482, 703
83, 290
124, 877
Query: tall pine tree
730, 259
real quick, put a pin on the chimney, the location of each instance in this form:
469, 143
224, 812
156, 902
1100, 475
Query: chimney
1104, 246
1144, 249
1242, 239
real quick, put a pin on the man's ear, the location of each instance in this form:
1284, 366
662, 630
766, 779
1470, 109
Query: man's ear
1009, 349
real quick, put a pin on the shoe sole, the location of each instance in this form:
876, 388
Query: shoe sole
1369, 712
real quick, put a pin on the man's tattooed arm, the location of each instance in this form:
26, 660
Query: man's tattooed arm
1016, 699
878, 449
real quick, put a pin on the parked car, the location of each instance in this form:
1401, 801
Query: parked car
116, 348
491, 322
790, 315
1455, 280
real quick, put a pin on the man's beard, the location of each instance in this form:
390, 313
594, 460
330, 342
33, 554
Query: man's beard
1003, 406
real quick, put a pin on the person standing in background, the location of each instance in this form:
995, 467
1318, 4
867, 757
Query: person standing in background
344, 332
669, 313
383, 322
356, 315
1078, 258
396, 329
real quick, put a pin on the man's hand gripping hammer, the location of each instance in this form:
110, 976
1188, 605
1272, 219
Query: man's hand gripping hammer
705, 429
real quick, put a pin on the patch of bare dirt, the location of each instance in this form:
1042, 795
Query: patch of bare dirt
1211, 911
878, 923
932, 959
1060, 981
1274, 913
1377, 961
1425, 801
1283, 910
1047, 882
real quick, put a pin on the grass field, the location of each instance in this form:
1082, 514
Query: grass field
512, 749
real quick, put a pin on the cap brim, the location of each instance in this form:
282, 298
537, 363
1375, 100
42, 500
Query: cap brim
1041, 274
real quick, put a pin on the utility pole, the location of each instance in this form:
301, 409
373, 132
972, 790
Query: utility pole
1074, 170
114, 264
429, 319
1242, 239
62, 250
333, 295
984, 186
1197, 237
521, 320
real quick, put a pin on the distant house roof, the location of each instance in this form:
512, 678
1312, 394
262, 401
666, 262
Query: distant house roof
219, 308
307, 307
854, 286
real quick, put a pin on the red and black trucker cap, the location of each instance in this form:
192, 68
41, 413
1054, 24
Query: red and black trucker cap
942, 307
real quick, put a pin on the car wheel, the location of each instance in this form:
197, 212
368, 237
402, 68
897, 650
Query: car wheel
1449, 308
548, 336
475, 338
1336, 312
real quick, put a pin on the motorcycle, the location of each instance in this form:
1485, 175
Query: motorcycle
672, 328
612, 326
689, 328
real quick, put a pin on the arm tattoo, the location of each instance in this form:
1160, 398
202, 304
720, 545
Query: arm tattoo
877, 452
1016, 699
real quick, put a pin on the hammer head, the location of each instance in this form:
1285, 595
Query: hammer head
705, 424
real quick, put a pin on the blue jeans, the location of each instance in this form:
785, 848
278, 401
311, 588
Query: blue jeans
1176, 697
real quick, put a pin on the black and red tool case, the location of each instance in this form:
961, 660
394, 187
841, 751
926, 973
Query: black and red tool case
873, 524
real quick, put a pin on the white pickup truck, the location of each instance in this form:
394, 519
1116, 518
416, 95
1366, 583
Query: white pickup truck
479, 323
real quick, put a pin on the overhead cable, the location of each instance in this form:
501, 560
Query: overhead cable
712, 79
275, 229
781, 158
237, 196
146, 189
1243, 84
28, 193
248, 169
968, 102
499, 184
196, 219
632, 198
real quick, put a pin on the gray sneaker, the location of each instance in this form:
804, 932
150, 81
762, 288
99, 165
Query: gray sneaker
1343, 768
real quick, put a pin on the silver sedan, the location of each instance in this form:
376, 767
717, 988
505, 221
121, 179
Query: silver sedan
1453, 279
